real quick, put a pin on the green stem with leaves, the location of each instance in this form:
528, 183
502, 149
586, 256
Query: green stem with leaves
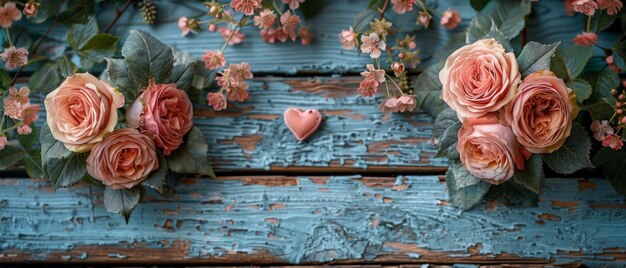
230, 36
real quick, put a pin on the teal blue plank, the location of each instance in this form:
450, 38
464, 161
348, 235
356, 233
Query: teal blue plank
312, 219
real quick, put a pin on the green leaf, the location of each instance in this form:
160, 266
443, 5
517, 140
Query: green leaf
92, 181
448, 140
184, 70
462, 177
10, 155
32, 164
375, 4
20, 37
64, 172
147, 58
613, 164
121, 201
79, 34
50, 147
5, 78
568, 63
46, 10
310, 9
156, 179
581, 87
361, 22
118, 74
532, 174
467, 197
443, 121
600, 111
46, 78
478, 5
77, 11
600, 21
506, 16
512, 194
96, 49
27, 141
474, 34
573, 155
66, 67
535, 57
191, 157
602, 82
427, 87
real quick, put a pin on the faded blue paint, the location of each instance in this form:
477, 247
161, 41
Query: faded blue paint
318, 223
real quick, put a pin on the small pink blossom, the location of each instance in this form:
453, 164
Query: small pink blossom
368, 87
450, 19
611, 62
238, 91
217, 101
24, 130
613, 141
16, 102
269, 35
265, 20
398, 68
424, 18
212, 28
289, 23
374, 74
30, 9
601, 129
14, 57
586, 39
246, 7
3, 142
30, 113
9, 14
241, 71
20, 95
402, 6
306, 36
399, 105
213, 59
612, 6
569, 8
373, 45
294, 4
235, 39
182, 24
588, 7
347, 39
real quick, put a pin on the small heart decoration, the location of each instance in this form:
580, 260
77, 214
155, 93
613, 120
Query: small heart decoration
302, 123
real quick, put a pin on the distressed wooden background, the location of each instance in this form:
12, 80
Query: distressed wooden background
364, 189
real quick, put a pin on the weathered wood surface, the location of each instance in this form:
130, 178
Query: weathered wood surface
273, 220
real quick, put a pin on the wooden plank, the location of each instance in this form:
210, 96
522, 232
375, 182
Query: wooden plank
549, 23
339, 219
354, 136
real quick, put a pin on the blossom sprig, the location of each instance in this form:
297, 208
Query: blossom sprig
17, 109
589, 37
610, 132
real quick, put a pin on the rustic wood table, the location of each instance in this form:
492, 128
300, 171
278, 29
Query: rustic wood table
364, 189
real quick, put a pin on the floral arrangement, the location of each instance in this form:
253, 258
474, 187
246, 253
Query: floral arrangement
370, 34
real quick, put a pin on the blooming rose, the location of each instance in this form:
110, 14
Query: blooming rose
82, 110
122, 160
479, 78
488, 149
163, 110
541, 113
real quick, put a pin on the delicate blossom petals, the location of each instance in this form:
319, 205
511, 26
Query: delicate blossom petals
450, 19
24, 130
347, 39
612, 6
368, 87
265, 20
30, 113
9, 14
14, 57
213, 59
374, 74
586, 39
399, 105
182, 24
294, 4
601, 129
16, 102
217, 101
424, 18
246, 7
31, 9
306, 35
398, 68
381, 27
373, 45
236, 38
587, 7
613, 141
3, 142
402, 6
611, 62
289, 23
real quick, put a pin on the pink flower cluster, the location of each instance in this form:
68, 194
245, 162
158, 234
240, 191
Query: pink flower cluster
232, 83
589, 7
281, 30
17, 106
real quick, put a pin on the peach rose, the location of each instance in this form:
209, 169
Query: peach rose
82, 110
479, 78
165, 111
124, 159
488, 149
541, 113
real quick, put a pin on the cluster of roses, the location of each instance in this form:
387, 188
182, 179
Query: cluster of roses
271, 26
82, 113
9, 13
17, 107
399, 98
504, 119
589, 8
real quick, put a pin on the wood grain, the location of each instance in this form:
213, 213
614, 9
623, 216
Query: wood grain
336, 219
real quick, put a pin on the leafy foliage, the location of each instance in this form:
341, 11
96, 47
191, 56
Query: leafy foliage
613, 164
147, 58
535, 57
467, 197
121, 201
573, 155
532, 174
505, 16
568, 63
191, 157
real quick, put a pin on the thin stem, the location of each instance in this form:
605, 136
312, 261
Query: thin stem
588, 24
276, 7
382, 10
9, 36
396, 84
118, 14
611, 120
18, 124
230, 36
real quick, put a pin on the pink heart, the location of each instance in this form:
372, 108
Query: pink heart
302, 123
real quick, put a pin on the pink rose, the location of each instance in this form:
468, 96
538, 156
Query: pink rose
163, 110
488, 149
82, 110
479, 78
541, 113
122, 160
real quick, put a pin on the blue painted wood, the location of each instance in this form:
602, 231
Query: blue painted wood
313, 219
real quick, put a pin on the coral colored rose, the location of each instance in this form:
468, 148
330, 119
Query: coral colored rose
122, 160
163, 110
479, 78
82, 110
541, 113
488, 149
